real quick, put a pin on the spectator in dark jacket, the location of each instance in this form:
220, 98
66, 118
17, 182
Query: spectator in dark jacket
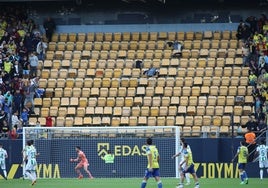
261, 128
251, 124
28, 42
50, 28
17, 101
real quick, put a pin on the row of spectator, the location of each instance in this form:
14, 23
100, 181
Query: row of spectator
21, 49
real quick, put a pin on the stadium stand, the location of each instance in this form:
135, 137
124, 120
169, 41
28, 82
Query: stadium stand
93, 79
107, 89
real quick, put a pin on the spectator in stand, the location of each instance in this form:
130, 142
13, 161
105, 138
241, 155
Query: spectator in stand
16, 83
6, 107
15, 36
252, 79
251, 124
15, 119
3, 116
25, 67
7, 66
19, 131
245, 32
2, 98
6, 86
151, 72
1, 59
28, 42
256, 92
262, 67
21, 32
177, 49
239, 30
16, 69
245, 54
5, 38
25, 117
4, 128
50, 28
12, 46
258, 107
261, 22
17, 101
253, 23
261, 128
34, 82
254, 67
21, 50
49, 121
29, 92
35, 39
8, 96
41, 49
33, 59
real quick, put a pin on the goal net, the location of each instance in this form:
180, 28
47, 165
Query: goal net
56, 146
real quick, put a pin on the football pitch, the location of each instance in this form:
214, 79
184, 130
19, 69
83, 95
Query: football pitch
128, 183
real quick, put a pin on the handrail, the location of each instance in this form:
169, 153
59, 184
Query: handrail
259, 136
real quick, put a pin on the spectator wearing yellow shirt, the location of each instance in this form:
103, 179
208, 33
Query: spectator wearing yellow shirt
21, 32
252, 79
256, 37
7, 66
265, 26
12, 46
3, 24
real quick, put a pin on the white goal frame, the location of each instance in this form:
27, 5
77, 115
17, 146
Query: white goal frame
150, 130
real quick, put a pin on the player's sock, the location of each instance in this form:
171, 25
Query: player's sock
143, 184
29, 175
261, 173
5, 173
242, 176
245, 175
159, 184
187, 177
34, 175
89, 175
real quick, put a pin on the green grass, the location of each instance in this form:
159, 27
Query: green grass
127, 183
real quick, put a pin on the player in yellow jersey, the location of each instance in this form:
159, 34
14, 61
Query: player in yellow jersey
153, 164
188, 167
242, 153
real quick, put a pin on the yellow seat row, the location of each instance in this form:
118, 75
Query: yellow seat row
199, 66
142, 45
141, 54
114, 45
126, 110
120, 100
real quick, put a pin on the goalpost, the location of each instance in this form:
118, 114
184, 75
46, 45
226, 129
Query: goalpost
56, 146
